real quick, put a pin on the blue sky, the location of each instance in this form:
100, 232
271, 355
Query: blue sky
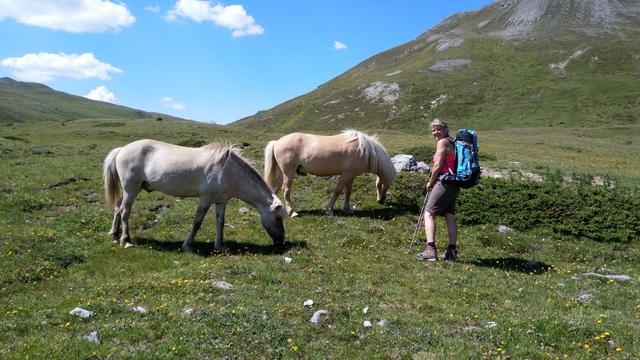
203, 60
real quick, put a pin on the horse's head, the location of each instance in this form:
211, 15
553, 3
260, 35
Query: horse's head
272, 218
381, 189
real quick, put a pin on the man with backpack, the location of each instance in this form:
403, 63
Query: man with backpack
455, 165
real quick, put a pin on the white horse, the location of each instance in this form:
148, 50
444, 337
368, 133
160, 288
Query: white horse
213, 172
348, 154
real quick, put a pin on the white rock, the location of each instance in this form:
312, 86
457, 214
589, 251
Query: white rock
85, 314
504, 229
405, 162
490, 324
287, 259
243, 210
316, 316
365, 310
382, 322
445, 44
383, 91
92, 336
605, 276
449, 65
584, 297
223, 285
139, 309
308, 303
187, 311
367, 324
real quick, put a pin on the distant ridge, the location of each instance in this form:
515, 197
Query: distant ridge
513, 63
27, 101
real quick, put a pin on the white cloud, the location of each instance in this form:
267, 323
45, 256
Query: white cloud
339, 45
68, 15
101, 93
154, 9
232, 17
43, 67
170, 103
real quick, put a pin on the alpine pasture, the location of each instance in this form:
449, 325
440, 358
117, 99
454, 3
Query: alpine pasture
562, 284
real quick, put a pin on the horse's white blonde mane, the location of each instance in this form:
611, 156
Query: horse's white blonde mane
219, 151
377, 158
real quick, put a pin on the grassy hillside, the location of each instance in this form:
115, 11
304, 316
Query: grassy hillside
506, 85
512, 64
518, 295
22, 101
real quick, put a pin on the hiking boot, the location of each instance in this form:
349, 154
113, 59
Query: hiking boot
451, 254
430, 254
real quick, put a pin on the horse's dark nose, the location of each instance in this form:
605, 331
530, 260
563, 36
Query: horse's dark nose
277, 235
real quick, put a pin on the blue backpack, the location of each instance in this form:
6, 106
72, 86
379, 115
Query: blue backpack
467, 165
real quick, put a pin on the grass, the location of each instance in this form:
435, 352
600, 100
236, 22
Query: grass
518, 295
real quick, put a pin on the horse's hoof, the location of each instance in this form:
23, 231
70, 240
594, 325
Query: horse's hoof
187, 249
329, 212
347, 211
128, 245
294, 214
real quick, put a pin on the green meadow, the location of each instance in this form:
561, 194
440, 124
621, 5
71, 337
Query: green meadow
548, 289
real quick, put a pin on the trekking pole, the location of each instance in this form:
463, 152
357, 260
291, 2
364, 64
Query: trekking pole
420, 215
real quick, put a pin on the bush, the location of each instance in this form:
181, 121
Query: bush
192, 143
581, 211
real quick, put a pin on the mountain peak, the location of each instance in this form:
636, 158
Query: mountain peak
7, 80
530, 18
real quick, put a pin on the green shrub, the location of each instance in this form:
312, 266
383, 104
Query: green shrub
582, 211
192, 143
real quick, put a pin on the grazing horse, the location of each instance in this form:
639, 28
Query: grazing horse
214, 173
348, 154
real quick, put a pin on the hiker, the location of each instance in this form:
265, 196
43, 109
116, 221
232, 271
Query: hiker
441, 196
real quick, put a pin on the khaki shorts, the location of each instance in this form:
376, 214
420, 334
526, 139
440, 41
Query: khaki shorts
442, 199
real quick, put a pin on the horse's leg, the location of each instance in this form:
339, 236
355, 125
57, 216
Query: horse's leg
115, 225
347, 197
129, 194
219, 244
287, 184
203, 207
342, 182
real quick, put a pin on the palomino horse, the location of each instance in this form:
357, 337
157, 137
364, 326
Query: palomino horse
348, 154
214, 173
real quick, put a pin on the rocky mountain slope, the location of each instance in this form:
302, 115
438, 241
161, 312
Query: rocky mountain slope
513, 63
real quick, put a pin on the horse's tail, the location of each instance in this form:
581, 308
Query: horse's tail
112, 187
272, 173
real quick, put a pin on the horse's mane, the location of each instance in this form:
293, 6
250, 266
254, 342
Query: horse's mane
374, 153
222, 153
